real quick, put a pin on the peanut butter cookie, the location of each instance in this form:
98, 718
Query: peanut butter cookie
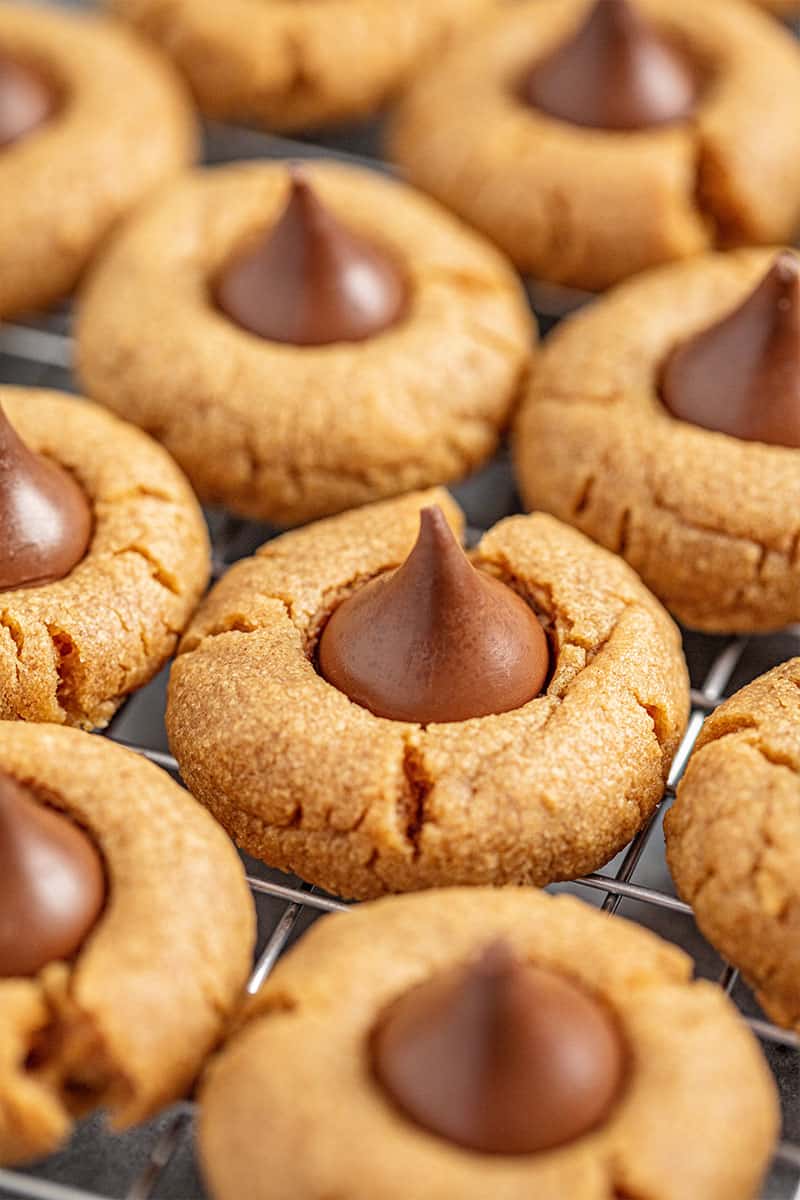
126, 936
703, 507
273, 701
591, 139
75, 153
303, 343
290, 66
104, 557
733, 836
426, 1016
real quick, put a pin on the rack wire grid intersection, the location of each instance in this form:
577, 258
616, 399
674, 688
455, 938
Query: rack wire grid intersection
40, 354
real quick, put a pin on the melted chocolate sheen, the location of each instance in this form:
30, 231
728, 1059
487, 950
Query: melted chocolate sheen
742, 375
26, 101
436, 640
311, 281
45, 518
52, 884
615, 72
500, 1057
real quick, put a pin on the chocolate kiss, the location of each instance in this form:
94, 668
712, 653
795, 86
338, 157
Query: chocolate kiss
435, 640
52, 884
45, 518
311, 281
500, 1057
742, 375
25, 100
615, 72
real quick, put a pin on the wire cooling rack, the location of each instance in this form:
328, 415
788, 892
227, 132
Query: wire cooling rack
156, 1161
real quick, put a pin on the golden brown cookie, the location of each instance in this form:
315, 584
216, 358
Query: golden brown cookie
313, 783
268, 1128
733, 836
707, 519
588, 207
67, 182
286, 432
290, 66
126, 1024
70, 651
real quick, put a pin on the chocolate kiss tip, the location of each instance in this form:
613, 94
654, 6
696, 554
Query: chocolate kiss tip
52, 884
499, 1056
311, 281
614, 73
741, 376
44, 515
436, 640
26, 101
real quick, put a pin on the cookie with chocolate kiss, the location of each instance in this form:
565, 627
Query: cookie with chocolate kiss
486, 1042
435, 640
103, 556
614, 72
336, 337
66, 82
45, 516
500, 1056
310, 280
362, 704
594, 139
112, 991
52, 883
665, 424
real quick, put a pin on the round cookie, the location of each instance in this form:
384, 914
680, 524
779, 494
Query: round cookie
289, 432
588, 207
313, 783
67, 182
706, 518
127, 1023
72, 649
291, 66
268, 1092
733, 836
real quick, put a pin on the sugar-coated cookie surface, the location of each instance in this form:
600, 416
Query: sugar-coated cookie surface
269, 1131
733, 836
127, 1024
312, 783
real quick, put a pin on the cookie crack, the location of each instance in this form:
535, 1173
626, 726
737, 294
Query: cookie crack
69, 673
762, 548
412, 800
158, 571
15, 632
